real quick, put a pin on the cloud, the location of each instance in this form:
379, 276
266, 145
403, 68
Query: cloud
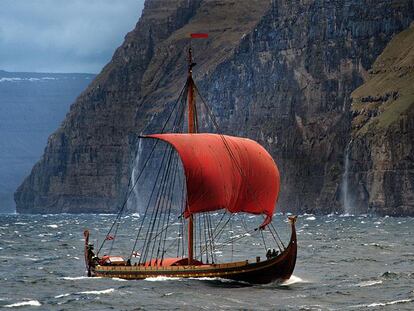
63, 35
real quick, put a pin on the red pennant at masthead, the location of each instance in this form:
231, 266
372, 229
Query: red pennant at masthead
199, 35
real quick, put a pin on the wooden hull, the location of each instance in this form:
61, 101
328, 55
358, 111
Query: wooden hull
262, 272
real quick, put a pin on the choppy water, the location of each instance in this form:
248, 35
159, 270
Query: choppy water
344, 263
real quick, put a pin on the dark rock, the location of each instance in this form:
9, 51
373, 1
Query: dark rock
280, 72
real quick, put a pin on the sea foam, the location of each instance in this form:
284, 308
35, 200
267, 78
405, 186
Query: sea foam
97, 292
293, 280
383, 304
368, 283
161, 279
90, 292
33, 303
75, 278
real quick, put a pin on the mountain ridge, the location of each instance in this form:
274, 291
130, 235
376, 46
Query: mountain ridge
32, 106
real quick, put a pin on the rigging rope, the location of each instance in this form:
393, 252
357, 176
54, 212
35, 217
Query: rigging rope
150, 228
264, 242
140, 174
200, 238
211, 238
177, 121
233, 239
147, 208
126, 200
277, 243
164, 197
277, 235
171, 197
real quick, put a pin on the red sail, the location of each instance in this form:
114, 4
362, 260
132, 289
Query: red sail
226, 172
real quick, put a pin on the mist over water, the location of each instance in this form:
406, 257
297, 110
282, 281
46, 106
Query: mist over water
344, 263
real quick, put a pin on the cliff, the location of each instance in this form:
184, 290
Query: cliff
280, 72
381, 154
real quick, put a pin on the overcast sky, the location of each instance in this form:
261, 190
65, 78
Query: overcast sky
63, 35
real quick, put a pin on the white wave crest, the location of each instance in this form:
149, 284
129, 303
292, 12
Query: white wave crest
90, 292
368, 283
26, 79
346, 215
33, 303
382, 304
97, 292
63, 295
10, 79
52, 226
76, 278
161, 279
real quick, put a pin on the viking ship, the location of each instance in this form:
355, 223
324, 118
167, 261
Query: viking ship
218, 173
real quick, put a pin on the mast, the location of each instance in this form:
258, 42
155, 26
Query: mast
192, 128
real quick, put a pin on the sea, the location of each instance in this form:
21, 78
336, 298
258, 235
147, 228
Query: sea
344, 262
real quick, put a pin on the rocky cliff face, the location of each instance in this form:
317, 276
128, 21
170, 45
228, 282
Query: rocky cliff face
280, 72
381, 154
